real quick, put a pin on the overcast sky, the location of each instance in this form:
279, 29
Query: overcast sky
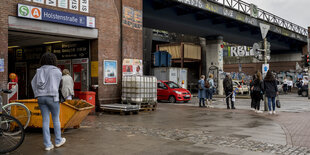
295, 11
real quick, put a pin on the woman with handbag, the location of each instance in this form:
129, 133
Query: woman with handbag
45, 86
201, 91
271, 91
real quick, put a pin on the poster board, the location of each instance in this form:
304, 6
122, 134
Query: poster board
109, 72
132, 67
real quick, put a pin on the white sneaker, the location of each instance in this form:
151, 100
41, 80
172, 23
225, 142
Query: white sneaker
274, 112
259, 111
270, 112
255, 111
63, 141
49, 148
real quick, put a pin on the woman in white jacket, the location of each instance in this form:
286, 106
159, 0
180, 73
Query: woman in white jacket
67, 85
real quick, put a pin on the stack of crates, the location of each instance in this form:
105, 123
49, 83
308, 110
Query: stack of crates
139, 89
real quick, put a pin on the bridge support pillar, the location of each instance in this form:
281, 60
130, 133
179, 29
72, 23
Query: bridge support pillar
214, 60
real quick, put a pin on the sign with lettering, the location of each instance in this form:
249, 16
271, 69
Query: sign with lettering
237, 51
44, 14
74, 5
84, 6
51, 2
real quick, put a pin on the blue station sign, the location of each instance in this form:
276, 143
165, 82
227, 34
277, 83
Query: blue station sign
54, 16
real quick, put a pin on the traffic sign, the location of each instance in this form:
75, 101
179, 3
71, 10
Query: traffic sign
264, 28
265, 68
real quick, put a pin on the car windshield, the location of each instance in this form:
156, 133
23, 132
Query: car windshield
172, 84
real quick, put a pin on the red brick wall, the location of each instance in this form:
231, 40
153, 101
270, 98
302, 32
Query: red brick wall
109, 45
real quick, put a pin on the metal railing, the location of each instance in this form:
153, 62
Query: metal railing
244, 7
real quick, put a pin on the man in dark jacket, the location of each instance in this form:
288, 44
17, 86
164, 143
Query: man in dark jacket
228, 88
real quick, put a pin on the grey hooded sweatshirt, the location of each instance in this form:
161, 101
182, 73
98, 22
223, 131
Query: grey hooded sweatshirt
46, 82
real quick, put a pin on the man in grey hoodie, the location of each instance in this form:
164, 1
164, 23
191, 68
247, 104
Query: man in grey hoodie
45, 86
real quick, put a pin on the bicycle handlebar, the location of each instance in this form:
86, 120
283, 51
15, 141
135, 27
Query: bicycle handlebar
6, 91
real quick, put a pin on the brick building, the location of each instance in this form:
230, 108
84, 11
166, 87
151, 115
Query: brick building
28, 28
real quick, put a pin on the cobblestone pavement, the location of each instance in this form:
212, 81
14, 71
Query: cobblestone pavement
202, 137
294, 116
184, 128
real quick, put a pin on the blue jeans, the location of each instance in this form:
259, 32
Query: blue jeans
209, 93
273, 100
47, 106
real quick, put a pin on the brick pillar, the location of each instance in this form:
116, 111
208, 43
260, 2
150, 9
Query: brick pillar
4, 44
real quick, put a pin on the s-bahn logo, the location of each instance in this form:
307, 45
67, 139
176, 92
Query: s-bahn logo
23, 10
29, 11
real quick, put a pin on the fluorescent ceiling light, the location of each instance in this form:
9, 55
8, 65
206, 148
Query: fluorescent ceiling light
52, 42
13, 46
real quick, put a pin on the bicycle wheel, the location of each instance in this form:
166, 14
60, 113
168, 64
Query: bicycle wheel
12, 133
19, 111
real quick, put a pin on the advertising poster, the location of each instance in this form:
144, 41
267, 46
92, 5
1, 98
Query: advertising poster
132, 18
128, 16
138, 20
1, 65
132, 67
110, 72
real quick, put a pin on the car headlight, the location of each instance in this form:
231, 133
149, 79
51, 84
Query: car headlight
178, 92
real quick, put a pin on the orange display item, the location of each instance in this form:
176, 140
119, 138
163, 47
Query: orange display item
88, 96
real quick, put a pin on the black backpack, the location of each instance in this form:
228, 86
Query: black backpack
228, 84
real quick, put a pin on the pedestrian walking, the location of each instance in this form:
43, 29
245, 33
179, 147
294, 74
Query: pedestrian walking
299, 83
210, 91
285, 86
201, 91
257, 91
251, 91
228, 88
271, 90
45, 86
289, 85
67, 85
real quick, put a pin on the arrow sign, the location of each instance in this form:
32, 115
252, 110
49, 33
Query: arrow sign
264, 28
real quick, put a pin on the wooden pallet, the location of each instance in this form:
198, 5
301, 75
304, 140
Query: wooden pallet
148, 107
121, 112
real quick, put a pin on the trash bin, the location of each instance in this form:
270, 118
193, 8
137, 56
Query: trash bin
72, 113
88, 96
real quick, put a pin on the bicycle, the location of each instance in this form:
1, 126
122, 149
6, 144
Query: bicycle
19, 111
12, 133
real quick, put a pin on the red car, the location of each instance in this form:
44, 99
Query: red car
168, 90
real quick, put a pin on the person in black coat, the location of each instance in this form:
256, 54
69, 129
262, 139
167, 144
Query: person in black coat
271, 91
257, 92
229, 89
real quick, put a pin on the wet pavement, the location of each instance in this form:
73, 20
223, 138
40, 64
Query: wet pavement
184, 129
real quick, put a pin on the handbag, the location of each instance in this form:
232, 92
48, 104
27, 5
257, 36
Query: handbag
61, 97
278, 104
